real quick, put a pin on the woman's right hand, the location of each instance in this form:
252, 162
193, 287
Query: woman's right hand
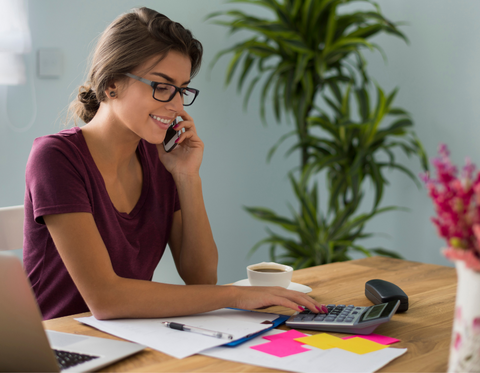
252, 297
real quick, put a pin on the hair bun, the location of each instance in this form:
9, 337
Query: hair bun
87, 96
89, 101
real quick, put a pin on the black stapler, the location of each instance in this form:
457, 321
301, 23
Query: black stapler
381, 291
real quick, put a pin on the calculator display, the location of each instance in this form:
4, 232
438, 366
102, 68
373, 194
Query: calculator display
377, 312
374, 312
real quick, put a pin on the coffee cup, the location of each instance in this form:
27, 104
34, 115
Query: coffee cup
269, 274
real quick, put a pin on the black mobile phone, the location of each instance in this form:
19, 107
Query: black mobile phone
170, 137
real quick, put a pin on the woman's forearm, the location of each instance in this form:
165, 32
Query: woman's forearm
197, 256
127, 298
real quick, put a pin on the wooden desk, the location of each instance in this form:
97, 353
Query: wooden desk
425, 329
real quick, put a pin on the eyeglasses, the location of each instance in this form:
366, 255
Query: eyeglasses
165, 92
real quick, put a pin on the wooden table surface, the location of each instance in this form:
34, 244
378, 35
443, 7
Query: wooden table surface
425, 329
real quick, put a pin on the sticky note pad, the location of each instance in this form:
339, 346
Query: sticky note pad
361, 345
383, 340
326, 341
290, 335
323, 341
280, 347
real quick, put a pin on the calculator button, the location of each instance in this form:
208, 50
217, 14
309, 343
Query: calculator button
308, 317
298, 318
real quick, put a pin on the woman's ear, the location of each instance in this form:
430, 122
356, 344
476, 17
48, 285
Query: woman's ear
112, 90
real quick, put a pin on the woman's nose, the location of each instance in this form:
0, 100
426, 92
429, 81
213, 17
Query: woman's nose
176, 102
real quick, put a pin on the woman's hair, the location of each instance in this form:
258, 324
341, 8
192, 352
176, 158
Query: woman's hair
128, 42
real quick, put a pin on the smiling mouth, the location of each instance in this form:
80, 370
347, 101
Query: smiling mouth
165, 121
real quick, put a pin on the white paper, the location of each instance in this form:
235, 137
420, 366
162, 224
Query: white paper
152, 333
315, 360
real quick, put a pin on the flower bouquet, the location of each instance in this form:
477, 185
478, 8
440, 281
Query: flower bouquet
457, 204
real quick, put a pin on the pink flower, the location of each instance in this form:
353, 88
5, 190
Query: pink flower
458, 341
476, 325
457, 205
458, 313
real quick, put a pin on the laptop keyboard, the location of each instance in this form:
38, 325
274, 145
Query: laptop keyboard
69, 359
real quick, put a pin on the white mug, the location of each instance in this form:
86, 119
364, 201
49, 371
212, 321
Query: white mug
269, 274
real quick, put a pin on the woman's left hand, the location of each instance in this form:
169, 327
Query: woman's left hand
187, 156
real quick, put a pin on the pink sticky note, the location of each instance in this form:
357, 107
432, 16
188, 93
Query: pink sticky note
291, 334
376, 338
280, 348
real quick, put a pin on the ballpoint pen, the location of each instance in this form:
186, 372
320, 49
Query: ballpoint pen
193, 329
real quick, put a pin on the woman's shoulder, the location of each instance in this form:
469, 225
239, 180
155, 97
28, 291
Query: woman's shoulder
51, 149
65, 136
64, 140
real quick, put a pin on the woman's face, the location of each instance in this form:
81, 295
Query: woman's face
135, 107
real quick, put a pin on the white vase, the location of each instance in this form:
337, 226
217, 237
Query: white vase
465, 345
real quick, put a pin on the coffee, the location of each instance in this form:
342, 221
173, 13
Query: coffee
269, 274
267, 270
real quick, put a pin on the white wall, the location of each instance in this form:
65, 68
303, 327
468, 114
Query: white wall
438, 84
438, 77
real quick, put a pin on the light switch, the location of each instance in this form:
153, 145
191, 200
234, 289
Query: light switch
50, 63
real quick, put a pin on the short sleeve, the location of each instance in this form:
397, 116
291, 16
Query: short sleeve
56, 178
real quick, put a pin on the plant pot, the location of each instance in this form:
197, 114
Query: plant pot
465, 344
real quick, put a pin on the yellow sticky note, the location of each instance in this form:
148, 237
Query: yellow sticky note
326, 341
323, 341
361, 345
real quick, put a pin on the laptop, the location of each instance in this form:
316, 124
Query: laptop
26, 347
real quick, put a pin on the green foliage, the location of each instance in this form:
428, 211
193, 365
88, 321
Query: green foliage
305, 47
313, 238
352, 151
348, 153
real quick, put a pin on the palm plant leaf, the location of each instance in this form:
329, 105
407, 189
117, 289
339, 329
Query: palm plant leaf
304, 47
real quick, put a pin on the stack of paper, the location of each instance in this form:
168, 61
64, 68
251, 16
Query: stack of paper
291, 351
152, 333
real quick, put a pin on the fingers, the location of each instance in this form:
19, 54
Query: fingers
189, 137
257, 297
300, 299
186, 124
187, 127
185, 116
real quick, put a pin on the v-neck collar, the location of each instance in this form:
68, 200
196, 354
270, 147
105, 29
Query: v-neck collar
145, 172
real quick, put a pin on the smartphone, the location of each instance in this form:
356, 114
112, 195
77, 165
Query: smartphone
170, 137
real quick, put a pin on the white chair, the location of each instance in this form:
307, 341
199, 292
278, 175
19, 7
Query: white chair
11, 227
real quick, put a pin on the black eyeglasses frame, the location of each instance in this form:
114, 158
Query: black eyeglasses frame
154, 85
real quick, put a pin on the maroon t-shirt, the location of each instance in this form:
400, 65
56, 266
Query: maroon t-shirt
61, 177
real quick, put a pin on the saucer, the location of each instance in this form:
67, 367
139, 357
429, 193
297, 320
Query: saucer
293, 286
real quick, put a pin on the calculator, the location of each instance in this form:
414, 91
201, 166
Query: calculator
345, 319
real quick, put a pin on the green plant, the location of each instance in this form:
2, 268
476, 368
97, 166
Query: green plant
305, 47
350, 154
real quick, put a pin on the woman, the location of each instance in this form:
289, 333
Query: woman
102, 201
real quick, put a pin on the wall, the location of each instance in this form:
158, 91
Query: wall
438, 84
437, 73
